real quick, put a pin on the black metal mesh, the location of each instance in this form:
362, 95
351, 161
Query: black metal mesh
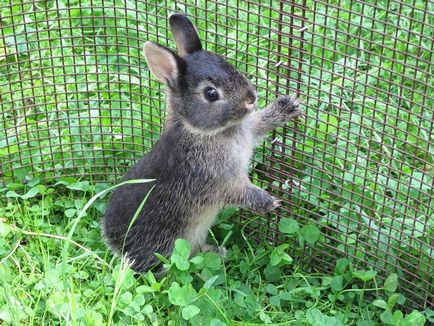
76, 98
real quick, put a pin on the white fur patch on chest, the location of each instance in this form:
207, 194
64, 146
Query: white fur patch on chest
199, 224
241, 153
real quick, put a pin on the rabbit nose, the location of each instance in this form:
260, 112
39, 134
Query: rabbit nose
251, 97
249, 105
250, 101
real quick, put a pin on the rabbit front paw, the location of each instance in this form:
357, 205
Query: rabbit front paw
270, 205
289, 107
275, 204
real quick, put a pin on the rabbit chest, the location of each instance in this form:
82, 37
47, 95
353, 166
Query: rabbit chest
229, 157
224, 164
239, 154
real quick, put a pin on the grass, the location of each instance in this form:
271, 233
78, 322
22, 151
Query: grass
255, 284
363, 161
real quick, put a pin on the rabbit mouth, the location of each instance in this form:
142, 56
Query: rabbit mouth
241, 112
237, 114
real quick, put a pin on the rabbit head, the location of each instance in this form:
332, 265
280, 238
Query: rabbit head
204, 91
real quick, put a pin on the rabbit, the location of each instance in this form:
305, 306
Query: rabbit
200, 163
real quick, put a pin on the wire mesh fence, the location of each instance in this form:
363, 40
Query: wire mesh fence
76, 99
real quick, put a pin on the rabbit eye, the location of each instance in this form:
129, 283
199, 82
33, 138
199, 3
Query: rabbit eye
211, 94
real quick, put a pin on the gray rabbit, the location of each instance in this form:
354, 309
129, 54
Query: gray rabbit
200, 163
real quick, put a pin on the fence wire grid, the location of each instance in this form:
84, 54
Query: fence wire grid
77, 99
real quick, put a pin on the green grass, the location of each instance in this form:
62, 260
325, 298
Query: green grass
254, 285
363, 159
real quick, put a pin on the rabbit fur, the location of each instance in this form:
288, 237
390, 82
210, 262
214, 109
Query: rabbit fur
200, 163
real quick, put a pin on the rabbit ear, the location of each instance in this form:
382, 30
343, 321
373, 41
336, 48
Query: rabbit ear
162, 62
185, 34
